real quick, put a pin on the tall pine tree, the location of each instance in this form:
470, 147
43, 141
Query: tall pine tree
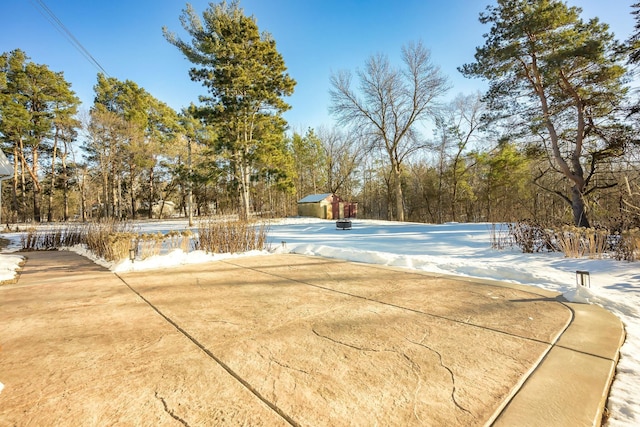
34, 103
564, 76
246, 80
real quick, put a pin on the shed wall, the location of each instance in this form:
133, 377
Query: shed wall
316, 210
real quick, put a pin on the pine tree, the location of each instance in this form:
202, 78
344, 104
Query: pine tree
34, 102
131, 130
309, 163
246, 80
563, 75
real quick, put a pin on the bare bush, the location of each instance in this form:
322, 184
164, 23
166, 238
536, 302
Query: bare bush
627, 246
574, 242
531, 237
29, 240
500, 236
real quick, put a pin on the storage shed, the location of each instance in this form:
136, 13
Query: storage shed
326, 206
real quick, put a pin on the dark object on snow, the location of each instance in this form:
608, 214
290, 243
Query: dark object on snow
343, 224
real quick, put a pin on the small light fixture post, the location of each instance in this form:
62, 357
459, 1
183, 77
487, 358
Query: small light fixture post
583, 278
132, 255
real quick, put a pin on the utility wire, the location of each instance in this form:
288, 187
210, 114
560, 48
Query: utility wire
62, 29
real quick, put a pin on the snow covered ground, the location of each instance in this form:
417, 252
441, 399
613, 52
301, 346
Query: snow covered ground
461, 249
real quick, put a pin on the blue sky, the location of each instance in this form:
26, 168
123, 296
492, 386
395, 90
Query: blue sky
315, 37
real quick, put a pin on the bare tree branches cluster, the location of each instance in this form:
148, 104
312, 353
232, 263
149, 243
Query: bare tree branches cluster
388, 105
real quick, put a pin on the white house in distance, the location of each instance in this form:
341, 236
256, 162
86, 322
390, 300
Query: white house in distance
326, 206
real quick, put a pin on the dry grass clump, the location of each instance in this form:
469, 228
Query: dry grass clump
179, 240
230, 236
148, 245
577, 242
110, 240
574, 242
52, 237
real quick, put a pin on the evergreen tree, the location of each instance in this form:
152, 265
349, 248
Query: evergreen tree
35, 104
130, 132
501, 190
633, 44
309, 163
65, 125
246, 80
563, 75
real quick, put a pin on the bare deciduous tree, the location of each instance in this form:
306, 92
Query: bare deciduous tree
458, 127
389, 103
343, 153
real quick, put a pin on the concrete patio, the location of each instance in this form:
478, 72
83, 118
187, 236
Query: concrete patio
295, 340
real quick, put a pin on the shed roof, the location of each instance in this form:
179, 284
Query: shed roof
314, 198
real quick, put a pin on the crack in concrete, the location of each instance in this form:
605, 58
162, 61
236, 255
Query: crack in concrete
171, 412
344, 343
225, 322
284, 365
453, 378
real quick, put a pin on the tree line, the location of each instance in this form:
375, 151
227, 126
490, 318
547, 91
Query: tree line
552, 140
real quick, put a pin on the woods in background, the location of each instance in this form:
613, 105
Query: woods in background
554, 140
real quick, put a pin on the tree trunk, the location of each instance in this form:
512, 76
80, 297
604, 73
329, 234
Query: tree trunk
398, 190
36, 187
190, 184
36, 205
16, 166
115, 195
53, 180
23, 192
161, 210
578, 207
441, 161
65, 185
132, 192
150, 200
454, 195
105, 189
83, 198
244, 199
23, 184
243, 212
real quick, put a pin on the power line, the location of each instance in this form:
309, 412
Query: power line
62, 29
